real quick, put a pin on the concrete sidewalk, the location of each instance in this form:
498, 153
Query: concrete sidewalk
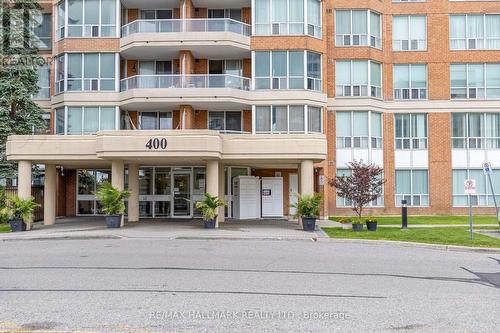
95, 227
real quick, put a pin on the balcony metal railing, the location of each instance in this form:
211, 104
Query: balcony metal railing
185, 81
187, 25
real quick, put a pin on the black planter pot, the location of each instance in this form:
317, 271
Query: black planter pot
308, 223
357, 227
113, 221
371, 226
209, 224
17, 225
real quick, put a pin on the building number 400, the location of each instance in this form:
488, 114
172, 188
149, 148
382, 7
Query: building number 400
156, 143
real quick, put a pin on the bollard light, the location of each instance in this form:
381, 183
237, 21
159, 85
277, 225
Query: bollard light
404, 214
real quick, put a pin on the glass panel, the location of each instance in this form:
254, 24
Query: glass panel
418, 76
420, 182
60, 121
148, 120
360, 123
108, 12
279, 63
313, 65
91, 120
314, 119
86, 182
182, 195
263, 119
376, 124
108, 118
296, 118
165, 120
280, 119
91, 65
145, 181
74, 120
403, 182
343, 126
107, 65
91, 12
162, 181
233, 121
262, 64
216, 121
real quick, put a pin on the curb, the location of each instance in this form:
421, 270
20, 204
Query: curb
442, 247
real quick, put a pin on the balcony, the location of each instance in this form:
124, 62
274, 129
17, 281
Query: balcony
201, 91
185, 82
203, 37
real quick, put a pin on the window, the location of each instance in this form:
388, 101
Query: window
343, 202
354, 77
476, 130
43, 83
475, 32
155, 120
285, 70
359, 129
409, 33
283, 119
86, 72
42, 29
77, 120
229, 121
286, 17
483, 195
410, 81
475, 81
86, 18
412, 186
411, 131
357, 28
88, 183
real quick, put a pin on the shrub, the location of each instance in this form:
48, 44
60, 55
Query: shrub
209, 206
308, 205
112, 199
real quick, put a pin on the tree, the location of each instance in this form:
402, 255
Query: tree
19, 114
364, 185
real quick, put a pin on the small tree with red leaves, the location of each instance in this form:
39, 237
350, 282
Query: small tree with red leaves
364, 185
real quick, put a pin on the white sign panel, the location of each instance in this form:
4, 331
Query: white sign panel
470, 187
487, 168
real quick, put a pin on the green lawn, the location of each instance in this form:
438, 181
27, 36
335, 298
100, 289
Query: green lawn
443, 235
437, 219
4, 227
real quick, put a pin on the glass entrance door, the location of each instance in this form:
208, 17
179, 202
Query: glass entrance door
182, 194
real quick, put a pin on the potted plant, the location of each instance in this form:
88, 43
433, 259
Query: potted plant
346, 222
307, 208
371, 223
19, 212
357, 225
113, 204
208, 208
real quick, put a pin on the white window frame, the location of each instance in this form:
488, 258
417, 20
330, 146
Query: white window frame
225, 121
368, 86
316, 84
64, 82
420, 91
411, 142
487, 196
411, 195
62, 29
397, 45
467, 39
470, 89
317, 31
341, 38
347, 142
271, 131
65, 124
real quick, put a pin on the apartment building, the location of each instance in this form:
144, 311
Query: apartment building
172, 99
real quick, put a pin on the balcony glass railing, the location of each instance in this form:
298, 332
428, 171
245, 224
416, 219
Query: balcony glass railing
188, 25
185, 81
